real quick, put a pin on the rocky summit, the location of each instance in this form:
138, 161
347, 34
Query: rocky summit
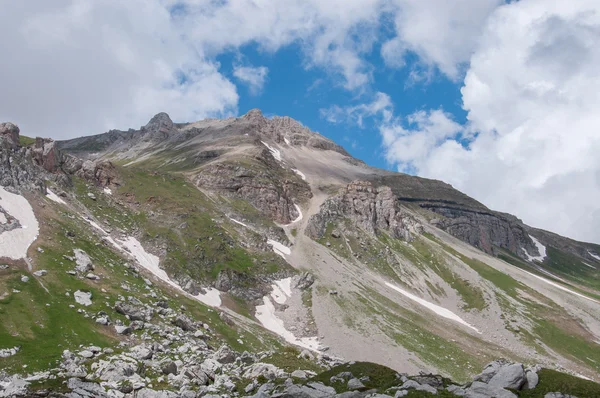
252, 257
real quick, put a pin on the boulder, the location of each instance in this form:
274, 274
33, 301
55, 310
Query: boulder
184, 323
482, 390
531, 380
355, 384
83, 261
509, 376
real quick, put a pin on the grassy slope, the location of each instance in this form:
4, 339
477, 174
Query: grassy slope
42, 323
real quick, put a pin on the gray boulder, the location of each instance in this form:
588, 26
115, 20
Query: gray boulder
355, 384
531, 380
558, 395
509, 376
83, 261
482, 390
184, 323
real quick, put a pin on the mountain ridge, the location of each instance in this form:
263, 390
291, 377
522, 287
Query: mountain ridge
286, 237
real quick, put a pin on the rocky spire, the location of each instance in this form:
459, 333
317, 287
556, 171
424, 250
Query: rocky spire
161, 122
10, 132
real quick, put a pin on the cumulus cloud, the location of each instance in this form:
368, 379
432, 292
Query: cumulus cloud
254, 77
442, 33
82, 67
532, 92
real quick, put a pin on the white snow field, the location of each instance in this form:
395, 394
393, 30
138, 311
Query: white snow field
275, 152
212, 297
3, 219
14, 243
541, 249
282, 290
279, 248
441, 311
561, 287
54, 197
267, 316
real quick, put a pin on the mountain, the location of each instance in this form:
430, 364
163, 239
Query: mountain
198, 255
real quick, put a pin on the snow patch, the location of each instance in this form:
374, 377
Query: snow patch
212, 297
285, 285
238, 222
107, 191
541, 249
14, 243
441, 311
282, 290
287, 141
301, 174
275, 152
3, 219
594, 255
561, 287
589, 265
279, 248
54, 197
268, 318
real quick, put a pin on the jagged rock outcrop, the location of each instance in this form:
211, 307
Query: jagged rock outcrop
17, 166
46, 154
10, 133
263, 187
369, 208
102, 173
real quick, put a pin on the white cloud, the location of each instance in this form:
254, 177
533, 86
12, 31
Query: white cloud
442, 33
82, 67
532, 91
380, 105
254, 77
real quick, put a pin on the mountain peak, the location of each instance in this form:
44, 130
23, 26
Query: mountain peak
254, 114
160, 122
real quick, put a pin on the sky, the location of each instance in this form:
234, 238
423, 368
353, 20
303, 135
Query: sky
499, 98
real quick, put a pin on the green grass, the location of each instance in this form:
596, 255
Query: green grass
572, 267
25, 141
286, 358
380, 377
553, 381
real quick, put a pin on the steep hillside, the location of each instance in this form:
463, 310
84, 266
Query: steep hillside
258, 233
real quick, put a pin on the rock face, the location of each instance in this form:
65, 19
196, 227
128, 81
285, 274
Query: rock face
262, 183
10, 133
371, 209
485, 230
46, 154
102, 173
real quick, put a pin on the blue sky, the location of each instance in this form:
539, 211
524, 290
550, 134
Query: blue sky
292, 89
498, 98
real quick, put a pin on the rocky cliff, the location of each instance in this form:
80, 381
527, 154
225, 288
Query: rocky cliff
372, 209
